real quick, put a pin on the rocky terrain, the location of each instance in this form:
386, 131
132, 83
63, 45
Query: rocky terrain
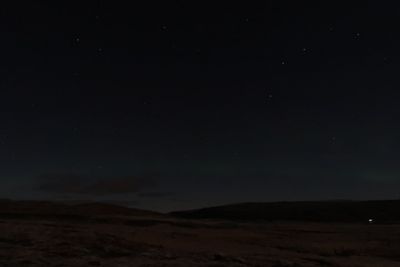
49, 234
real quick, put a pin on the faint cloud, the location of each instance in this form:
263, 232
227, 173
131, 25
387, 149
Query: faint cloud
93, 186
156, 194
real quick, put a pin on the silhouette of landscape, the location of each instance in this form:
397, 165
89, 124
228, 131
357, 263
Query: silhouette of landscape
41, 233
384, 211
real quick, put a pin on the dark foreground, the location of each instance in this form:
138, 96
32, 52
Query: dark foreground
96, 236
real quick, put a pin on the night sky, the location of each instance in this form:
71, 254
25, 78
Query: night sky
181, 104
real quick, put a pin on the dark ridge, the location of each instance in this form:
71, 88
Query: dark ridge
380, 211
43, 208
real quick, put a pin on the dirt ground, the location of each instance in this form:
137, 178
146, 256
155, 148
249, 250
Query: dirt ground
146, 241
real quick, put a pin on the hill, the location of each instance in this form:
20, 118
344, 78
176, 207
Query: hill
322, 211
58, 209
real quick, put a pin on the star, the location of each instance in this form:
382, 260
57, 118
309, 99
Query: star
269, 98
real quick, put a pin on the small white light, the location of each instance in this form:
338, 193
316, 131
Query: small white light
370, 220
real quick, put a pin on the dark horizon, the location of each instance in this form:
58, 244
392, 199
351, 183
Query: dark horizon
301, 206
177, 105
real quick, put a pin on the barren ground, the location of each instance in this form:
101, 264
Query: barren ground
110, 240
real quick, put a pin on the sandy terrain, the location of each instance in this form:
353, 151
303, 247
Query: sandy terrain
121, 240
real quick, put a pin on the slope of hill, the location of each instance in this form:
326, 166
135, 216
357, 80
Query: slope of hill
47, 208
323, 211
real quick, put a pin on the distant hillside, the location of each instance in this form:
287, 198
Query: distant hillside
32, 208
324, 211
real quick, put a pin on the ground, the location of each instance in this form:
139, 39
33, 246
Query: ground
121, 240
